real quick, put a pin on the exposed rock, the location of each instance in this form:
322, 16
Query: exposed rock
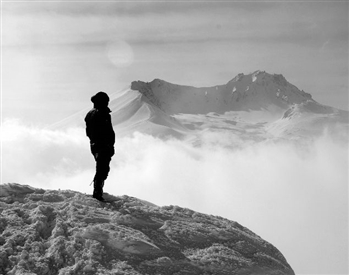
255, 91
66, 232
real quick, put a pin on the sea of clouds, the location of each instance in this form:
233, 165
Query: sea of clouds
292, 194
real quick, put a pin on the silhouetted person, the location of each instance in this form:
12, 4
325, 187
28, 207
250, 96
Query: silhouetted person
102, 138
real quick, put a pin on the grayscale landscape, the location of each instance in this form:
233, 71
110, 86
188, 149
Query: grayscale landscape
231, 150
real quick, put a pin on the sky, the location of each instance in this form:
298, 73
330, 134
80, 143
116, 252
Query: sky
56, 54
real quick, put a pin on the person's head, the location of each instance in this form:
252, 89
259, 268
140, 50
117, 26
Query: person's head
100, 100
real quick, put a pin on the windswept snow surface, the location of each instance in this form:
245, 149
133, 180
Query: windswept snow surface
67, 232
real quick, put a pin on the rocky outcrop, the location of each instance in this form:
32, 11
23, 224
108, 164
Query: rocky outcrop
66, 232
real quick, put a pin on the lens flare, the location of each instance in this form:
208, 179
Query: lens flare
120, 53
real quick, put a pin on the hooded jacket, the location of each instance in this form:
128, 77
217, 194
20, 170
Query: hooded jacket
99, 128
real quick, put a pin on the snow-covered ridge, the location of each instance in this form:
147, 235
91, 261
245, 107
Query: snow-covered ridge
66, 232
242, 104
255, 91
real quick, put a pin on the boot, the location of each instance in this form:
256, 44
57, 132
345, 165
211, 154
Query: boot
98, 190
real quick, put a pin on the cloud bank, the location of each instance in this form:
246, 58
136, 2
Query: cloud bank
292, 195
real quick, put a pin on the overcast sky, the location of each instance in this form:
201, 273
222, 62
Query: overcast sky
55, 55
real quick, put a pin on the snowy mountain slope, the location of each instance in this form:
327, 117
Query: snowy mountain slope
261, 101
131, 112
66, 232
310, 119
258, 105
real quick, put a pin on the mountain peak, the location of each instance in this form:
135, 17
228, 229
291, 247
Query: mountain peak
255, 91
63, 231
258, 76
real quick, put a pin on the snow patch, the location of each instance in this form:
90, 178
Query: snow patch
285, 97
254, 75
124, 239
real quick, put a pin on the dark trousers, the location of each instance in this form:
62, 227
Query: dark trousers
102, 158
102, 166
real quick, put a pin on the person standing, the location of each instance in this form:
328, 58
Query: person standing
100, 131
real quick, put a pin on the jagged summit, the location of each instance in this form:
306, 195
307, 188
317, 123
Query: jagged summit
255, 91
67, 232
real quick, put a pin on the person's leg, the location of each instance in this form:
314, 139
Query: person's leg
102, 171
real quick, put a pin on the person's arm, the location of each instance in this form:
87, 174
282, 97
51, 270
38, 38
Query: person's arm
111, 131
90, 126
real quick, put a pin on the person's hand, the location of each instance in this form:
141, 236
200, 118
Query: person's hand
111, 150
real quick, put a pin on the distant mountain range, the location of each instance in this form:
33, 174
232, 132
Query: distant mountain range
255, 91
262, 104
